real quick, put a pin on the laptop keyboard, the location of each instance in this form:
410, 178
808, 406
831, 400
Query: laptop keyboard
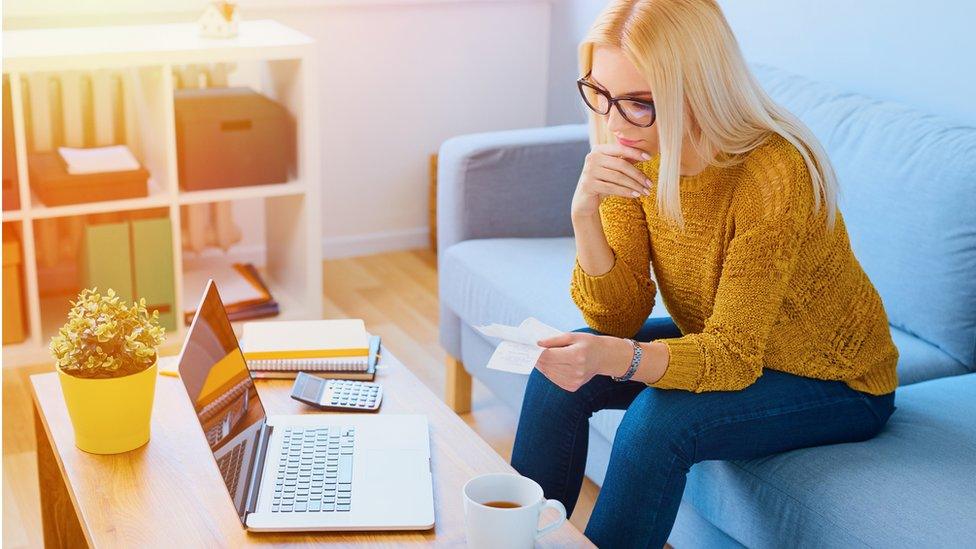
315, 470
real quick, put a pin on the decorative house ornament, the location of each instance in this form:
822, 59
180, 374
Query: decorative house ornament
219, 20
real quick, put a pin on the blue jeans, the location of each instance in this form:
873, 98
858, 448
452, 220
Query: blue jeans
664, 432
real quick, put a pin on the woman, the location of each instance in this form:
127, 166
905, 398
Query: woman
777, 339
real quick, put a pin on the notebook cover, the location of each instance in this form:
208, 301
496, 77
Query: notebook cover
368, 375
305, 339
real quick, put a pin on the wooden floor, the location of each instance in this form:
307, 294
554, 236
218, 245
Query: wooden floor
395, 293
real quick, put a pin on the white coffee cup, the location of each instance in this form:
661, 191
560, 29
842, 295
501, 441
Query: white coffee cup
515, 527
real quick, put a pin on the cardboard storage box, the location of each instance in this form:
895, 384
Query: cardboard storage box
229, 137
14, 306
11, 193
56, 187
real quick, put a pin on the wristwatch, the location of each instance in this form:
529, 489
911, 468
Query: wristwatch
634, 363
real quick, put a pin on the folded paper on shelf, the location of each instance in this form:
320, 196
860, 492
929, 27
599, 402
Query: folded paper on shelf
518, 352
113, 158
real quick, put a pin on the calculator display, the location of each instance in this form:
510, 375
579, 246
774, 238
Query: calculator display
311, 388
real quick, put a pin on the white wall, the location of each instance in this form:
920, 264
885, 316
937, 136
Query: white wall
918, 53
570, 21
395, 83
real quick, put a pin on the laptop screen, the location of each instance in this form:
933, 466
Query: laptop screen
216, 378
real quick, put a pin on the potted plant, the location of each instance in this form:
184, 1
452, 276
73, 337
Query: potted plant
106, 361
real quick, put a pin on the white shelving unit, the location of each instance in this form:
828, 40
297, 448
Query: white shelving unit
145, 55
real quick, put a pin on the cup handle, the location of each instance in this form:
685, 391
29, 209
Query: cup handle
555, 504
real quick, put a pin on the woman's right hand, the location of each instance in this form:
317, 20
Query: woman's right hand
607, 170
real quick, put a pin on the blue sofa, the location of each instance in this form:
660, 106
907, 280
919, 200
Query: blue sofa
908, 195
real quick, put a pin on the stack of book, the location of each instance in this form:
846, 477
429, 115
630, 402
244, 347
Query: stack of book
337, 349
243, 291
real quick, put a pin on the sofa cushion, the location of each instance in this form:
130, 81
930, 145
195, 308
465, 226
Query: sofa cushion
915, 480
919, 360
908, 194
506, 280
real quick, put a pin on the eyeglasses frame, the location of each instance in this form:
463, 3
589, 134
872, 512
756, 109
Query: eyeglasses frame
614, 101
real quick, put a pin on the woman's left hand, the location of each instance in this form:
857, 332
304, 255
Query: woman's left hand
573, 358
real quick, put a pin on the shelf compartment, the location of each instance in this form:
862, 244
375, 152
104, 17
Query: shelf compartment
96, 108
130, 252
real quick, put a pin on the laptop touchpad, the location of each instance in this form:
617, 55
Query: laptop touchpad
396, 482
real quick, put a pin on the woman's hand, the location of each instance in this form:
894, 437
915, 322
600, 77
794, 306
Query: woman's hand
608, 171
573, 358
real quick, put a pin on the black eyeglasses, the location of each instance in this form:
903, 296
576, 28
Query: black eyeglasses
638, 112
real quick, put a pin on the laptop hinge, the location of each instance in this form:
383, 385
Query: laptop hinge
257, 473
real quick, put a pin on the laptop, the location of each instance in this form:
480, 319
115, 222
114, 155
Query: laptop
321, 471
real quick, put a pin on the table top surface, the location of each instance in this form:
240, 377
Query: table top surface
170, 489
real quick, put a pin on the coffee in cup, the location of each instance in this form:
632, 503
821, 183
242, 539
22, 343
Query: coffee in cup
502, 510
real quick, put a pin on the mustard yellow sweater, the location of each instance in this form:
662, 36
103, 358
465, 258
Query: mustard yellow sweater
755, 280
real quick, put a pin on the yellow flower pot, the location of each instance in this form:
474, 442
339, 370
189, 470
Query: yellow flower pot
110, 415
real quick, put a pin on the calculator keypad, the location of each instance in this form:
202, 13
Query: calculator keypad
348, 394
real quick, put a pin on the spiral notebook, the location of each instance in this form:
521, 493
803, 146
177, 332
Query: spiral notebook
322, 367
338, 348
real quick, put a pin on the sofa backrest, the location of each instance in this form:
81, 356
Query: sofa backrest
908, 197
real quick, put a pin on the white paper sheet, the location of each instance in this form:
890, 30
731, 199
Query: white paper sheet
113, 158
518, 352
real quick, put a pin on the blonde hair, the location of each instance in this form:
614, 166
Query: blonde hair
689, 56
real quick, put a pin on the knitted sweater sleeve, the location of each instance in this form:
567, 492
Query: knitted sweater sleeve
772, 208
619, 301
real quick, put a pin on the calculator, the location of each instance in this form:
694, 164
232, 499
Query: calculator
340, 395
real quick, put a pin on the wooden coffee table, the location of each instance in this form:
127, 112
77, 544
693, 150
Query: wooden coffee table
169, 492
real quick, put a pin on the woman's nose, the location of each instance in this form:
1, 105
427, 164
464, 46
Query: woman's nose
615, 121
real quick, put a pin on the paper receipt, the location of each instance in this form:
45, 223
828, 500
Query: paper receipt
518, 352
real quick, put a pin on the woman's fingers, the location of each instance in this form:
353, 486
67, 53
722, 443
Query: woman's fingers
613, 189
560, 340
616, 149
628, 169
618, 183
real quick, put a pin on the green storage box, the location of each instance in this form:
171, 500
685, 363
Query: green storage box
106, 260
135, 258
152, 263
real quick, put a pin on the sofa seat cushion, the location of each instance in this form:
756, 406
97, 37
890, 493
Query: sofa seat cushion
915, 480
505, 280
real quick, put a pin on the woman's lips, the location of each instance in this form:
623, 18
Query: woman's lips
628, 142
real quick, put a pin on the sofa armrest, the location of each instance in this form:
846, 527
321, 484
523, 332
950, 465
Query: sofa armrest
515, 183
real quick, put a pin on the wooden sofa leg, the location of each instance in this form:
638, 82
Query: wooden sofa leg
458, 391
